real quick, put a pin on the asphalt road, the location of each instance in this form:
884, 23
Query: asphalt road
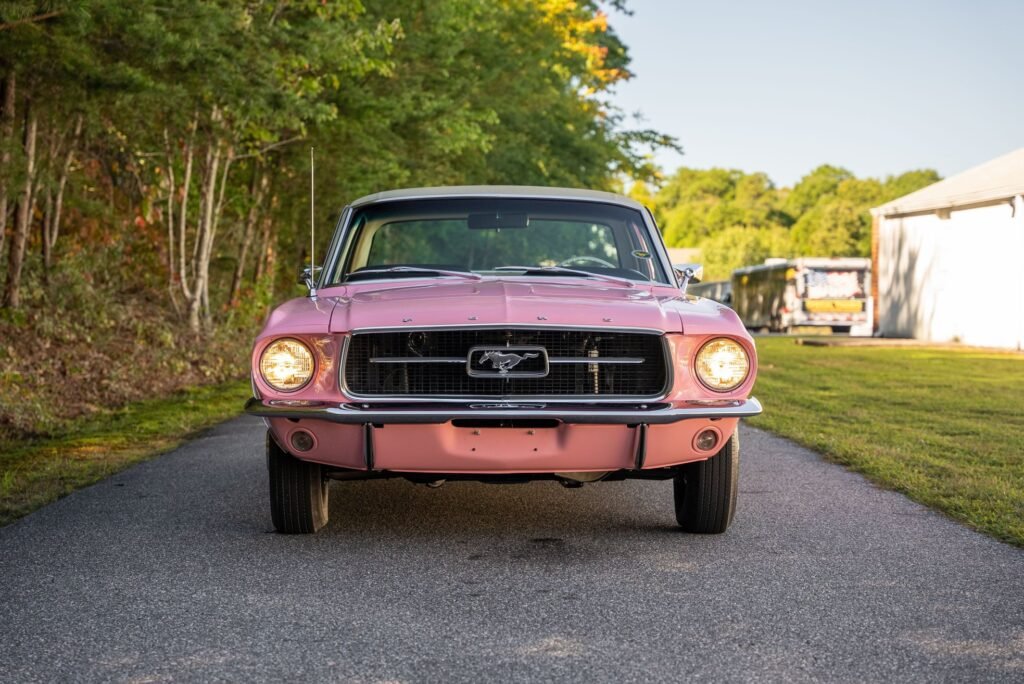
170, 571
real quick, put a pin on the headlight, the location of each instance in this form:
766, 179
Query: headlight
722, 364
286, 365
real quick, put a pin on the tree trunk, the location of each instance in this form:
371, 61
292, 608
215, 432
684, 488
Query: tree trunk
204, 231
257, 187
169, 218
44, 241
183, 213
53, 227
16, 257
218, 210
261, 256
6, 131
271, 258
265, 259
45, 173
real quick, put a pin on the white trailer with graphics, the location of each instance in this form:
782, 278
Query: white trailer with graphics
782, 295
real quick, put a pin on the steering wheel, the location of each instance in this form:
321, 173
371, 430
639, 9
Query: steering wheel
583, 260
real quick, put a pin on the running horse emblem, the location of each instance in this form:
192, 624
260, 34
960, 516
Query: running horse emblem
503, 362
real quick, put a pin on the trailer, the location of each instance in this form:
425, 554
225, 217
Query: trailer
718, 290
785, 294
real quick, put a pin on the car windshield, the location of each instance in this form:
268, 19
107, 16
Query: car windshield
499, 237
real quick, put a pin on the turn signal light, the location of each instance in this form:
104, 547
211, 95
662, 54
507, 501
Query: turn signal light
706, 440
302, 440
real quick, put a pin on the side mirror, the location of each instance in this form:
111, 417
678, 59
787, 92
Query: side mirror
688, 273
306, 277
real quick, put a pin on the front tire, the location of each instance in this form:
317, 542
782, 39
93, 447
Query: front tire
298, 492
705, 491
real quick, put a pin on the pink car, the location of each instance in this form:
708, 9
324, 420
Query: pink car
502, 334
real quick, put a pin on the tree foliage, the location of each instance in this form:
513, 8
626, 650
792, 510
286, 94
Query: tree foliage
185, 126
154, 160
738, 218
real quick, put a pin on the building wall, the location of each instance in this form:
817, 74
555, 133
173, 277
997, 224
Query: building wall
955, 279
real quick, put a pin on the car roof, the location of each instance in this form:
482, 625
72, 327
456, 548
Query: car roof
517, 191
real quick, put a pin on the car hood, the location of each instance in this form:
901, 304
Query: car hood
301, 316
517, 302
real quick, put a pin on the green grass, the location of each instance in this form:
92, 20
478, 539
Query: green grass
33, 474
943, 426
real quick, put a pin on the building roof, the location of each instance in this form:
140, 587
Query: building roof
999, 179
519, 191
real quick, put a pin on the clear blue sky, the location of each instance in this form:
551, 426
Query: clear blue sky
786, 85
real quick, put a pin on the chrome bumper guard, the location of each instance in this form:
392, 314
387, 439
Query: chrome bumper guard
650, 414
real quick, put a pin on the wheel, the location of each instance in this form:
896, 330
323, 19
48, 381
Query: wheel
298, 492
705, 491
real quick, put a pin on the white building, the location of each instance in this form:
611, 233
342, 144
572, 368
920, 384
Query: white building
948, 260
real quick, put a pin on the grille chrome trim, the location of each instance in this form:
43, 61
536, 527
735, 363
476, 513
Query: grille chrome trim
660, 415
670, 368
598, 360
418, 359
412, 327
621, 360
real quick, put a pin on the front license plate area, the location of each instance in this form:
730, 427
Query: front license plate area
445, 448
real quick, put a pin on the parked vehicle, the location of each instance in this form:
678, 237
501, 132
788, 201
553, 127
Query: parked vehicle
783, 294
718, 290
502, 334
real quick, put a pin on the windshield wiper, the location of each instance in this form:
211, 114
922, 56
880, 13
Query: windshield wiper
562, 270
469, 275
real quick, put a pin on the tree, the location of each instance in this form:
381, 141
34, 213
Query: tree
831, 229
839, 223
694, 204
738, 246
821, 182
188, 124
739, 219
906, 183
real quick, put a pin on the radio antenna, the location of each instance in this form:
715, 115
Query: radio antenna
312, 225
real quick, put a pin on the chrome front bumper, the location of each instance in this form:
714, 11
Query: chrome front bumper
355, 413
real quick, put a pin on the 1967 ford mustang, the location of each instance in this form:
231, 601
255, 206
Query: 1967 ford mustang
502, 334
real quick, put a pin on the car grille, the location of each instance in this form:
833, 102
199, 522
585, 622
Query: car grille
432, 363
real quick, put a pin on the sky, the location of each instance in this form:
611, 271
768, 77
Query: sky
783, 86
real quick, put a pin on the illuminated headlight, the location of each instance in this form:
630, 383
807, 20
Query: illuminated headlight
722, 364
286, 365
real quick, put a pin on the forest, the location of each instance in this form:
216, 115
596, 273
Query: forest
154, 162
154, 167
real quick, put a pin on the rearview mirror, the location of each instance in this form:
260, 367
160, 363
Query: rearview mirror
688, 273
497, 221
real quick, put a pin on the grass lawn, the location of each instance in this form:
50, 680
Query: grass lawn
943, 426
33, 474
